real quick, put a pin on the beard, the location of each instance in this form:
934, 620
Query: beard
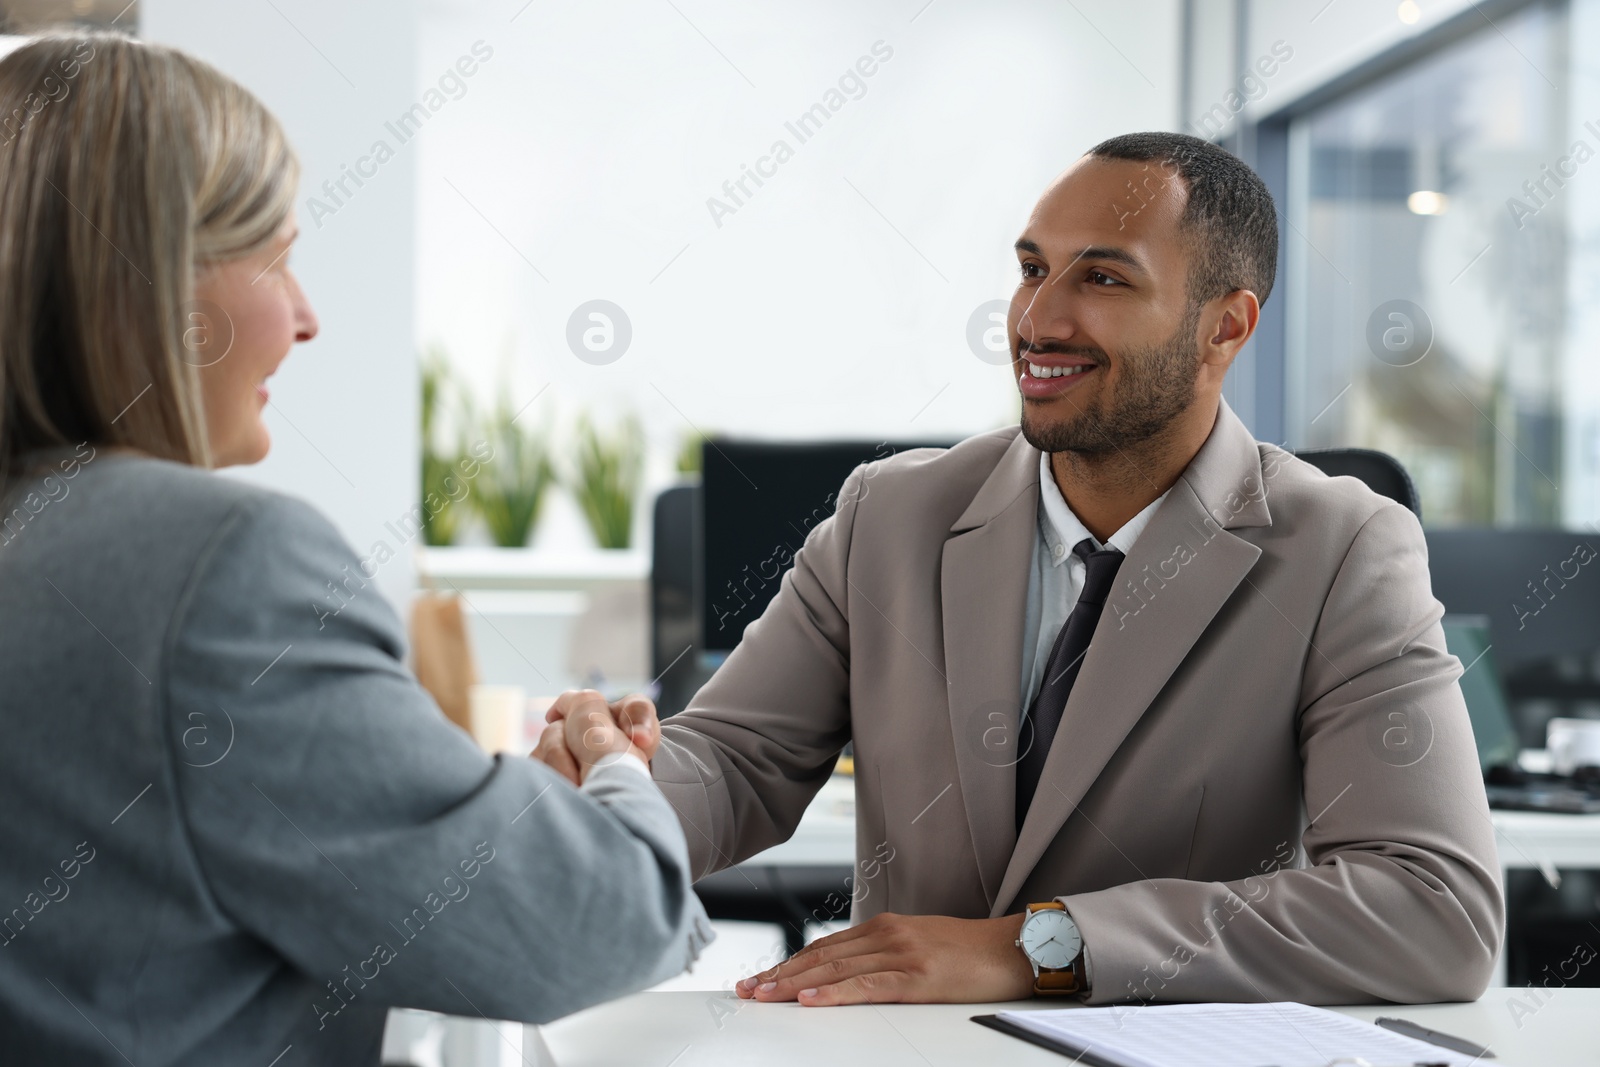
1155, 387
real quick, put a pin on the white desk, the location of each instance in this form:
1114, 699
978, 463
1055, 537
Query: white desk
651, 1029
706, 1029
1531, 839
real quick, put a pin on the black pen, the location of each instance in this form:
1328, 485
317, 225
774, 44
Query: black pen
1433, 1037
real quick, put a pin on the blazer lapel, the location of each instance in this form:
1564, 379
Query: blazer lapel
1181, 570
983, 591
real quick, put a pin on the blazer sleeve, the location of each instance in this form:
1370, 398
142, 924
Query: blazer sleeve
335, 814
758, 741
1401, 898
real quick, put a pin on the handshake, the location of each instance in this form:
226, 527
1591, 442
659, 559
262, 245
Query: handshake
911, 958
586, 731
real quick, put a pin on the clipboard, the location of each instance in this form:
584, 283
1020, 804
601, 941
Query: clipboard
1084, 1056
1266, 1032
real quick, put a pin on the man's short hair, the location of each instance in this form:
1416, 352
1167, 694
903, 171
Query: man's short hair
1230, 219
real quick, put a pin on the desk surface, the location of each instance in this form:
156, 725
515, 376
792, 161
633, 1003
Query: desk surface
1539, 839
704, 1029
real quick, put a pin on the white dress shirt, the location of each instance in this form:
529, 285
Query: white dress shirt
1056, 577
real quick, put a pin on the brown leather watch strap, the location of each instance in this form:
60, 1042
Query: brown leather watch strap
1056, 983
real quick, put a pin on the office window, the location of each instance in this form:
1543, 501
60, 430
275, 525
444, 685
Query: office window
1438, 271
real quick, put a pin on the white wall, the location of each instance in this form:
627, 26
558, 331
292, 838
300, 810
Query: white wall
344, 407
578, 161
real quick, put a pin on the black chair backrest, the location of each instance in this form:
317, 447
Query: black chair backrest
1381, 472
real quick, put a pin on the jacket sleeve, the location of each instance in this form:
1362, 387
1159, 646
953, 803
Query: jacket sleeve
1401, 898
335, 814
741, 763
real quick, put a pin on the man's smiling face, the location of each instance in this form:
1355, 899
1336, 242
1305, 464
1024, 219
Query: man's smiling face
1104, 339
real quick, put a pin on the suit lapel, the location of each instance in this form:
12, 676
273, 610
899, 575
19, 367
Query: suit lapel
1181, 570
984, 589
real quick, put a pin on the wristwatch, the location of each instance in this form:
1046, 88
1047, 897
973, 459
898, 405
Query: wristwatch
1051, 941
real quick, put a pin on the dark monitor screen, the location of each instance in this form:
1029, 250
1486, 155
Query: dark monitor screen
760, 500
1467, 638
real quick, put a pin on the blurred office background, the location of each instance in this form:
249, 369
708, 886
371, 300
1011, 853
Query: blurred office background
562, 235
604, 232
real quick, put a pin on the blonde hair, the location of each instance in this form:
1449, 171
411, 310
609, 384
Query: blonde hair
124, 167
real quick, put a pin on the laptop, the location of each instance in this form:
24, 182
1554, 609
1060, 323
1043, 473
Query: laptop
1509, 787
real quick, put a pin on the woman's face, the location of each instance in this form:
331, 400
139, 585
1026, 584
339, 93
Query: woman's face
247, 314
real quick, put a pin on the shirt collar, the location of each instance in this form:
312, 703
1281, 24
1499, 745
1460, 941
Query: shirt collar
1061, 528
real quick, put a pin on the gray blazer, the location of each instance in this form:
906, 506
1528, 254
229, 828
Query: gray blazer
235, 827
1264, 784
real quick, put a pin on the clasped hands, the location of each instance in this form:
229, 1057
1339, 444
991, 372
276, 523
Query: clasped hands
887, 959
587, 731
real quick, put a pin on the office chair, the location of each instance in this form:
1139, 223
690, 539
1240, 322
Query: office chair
1381, 472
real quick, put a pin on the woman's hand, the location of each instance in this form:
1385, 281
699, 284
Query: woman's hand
586, 731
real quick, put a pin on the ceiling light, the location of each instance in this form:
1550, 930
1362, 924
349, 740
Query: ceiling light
1427, 202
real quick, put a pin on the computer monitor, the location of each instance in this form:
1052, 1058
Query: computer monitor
759, 502
1467, 638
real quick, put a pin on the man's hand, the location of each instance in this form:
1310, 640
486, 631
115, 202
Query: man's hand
587, 732
913, 959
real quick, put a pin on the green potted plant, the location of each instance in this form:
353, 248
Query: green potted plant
605, 480
689, 453
439, 389
509, 489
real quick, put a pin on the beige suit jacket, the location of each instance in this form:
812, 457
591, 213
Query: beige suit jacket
1264, 785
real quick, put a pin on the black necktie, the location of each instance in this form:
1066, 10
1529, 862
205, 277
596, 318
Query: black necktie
1062, 669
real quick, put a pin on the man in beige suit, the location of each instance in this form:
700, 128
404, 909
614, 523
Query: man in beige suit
1258, 780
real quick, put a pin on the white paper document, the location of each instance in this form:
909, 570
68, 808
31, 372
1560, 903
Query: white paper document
1232, 1035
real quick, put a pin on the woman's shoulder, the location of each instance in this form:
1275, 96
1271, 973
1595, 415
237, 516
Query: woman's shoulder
150, 551
230, 544
223, 507
151, 507
151, 489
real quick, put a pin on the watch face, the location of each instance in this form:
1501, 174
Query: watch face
1051, 939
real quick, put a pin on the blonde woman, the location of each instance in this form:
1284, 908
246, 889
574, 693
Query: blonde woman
234, 826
